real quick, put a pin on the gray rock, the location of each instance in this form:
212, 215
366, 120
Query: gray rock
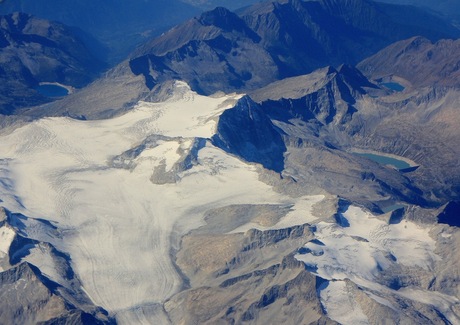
27, 298
34, 50
246, 131
418, 61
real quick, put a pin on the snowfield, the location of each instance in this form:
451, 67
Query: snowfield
116, 224
6, 238
121, 192
359, 250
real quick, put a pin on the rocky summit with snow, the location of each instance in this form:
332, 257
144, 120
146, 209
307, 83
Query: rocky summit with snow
239, 169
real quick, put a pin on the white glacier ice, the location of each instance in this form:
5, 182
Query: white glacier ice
115, 223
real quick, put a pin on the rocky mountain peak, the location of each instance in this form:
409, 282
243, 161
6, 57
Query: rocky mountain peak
354, 78
327, 95
247, 131
220, 16
288, 38
346, 79
39, 51
227, 21
417, 60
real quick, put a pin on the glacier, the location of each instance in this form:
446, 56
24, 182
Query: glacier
116, 223
119, 194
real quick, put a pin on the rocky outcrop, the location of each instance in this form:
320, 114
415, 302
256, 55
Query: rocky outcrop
30, 296
246, 131
418, 61
34, 50
284, 39
245, 278
111, 29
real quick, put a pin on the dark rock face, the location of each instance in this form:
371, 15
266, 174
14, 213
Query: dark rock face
271, 41
246, 131
27, 298
329, 99
330, 110
418, 61
251, 48
450, 214
27, 295
34, 50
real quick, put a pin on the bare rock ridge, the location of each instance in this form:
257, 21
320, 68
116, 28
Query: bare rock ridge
244, 209
246, 50
418, 61
326, 95
230, 289
286, 38
34, 50
33, 295
115, 26
338, 111
248, 132
31, 300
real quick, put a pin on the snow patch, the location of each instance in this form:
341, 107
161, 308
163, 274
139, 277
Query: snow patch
359, 250
301, 213
366, 246
340, 304
6, 238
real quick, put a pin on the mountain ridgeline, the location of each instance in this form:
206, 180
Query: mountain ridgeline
238, 169
114, 27
34, 50
226, 51
417, 60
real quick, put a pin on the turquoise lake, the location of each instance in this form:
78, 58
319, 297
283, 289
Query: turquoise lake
393, 86
52, 91
384, 160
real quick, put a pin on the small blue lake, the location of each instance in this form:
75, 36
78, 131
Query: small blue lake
52, 90
393, 86
385, 160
